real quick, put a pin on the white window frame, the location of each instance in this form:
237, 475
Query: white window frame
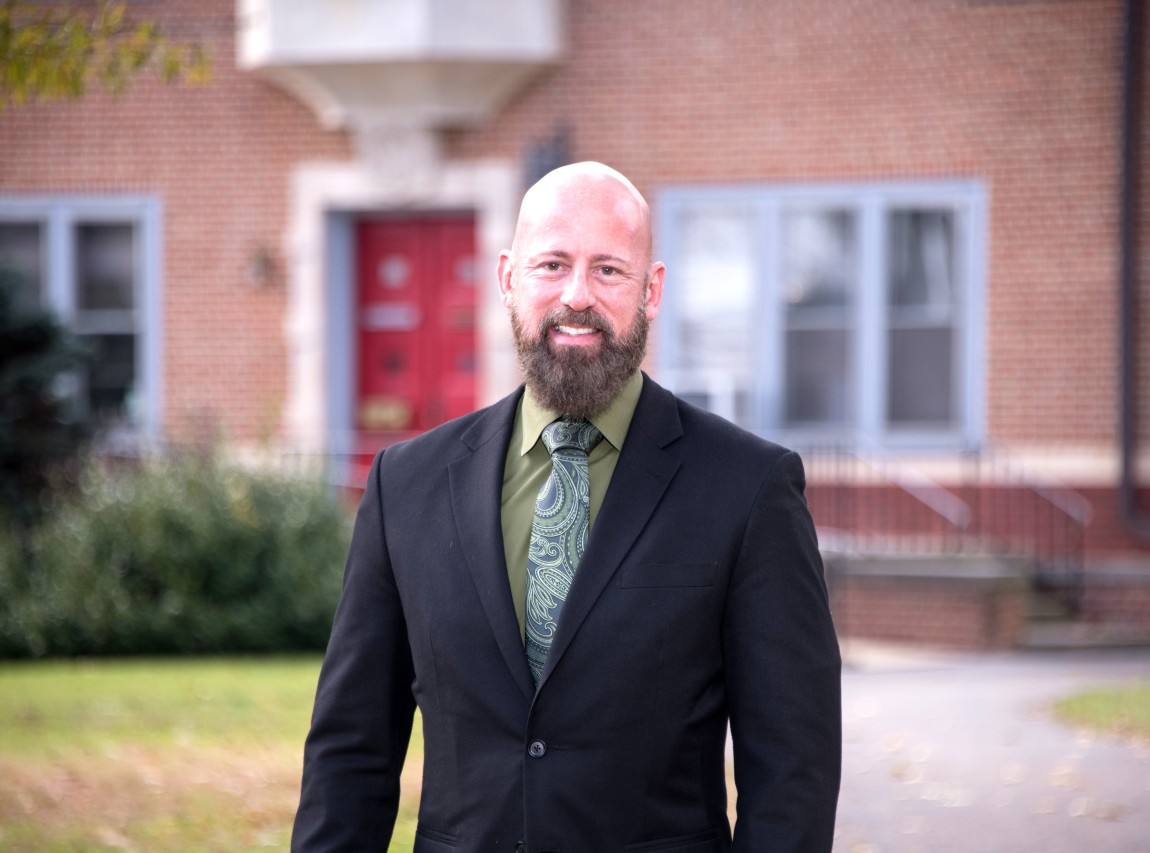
58, 216
870, 202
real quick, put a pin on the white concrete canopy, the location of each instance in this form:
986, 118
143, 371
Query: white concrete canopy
399, 63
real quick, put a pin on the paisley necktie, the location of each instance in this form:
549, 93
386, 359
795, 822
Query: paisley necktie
558, 532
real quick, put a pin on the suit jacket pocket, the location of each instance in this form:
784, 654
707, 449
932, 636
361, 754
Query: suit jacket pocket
431, 841
710, 841
642, 575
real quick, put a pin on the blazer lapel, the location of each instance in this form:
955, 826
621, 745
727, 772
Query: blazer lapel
642, 474
476, 495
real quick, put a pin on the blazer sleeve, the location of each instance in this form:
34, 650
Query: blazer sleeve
364, 705
783, 676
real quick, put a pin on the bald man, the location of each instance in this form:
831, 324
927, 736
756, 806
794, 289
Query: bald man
580, 587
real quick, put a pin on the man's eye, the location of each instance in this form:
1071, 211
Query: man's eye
608, 270
552, 266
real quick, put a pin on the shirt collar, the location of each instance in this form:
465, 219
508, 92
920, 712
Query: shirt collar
613, 422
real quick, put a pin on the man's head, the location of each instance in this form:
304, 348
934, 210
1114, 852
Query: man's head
581, 285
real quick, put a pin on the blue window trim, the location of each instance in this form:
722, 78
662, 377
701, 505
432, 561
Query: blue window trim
967, 198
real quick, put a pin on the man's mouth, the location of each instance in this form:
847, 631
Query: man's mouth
575, 330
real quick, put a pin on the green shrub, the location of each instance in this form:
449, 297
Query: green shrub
178, 555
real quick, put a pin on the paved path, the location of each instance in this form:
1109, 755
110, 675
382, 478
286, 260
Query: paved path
960, 753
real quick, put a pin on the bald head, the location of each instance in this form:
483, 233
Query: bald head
585, 189
579, 272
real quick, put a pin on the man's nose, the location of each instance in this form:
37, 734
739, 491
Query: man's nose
578, 294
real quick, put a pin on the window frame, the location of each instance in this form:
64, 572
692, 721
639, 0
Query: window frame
58, 217
870, 202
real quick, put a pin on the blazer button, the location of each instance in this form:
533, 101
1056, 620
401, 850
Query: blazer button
537, 749
520, 847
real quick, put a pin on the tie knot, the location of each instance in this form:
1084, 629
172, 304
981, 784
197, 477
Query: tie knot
565, 434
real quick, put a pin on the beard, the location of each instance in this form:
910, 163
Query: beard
578, 381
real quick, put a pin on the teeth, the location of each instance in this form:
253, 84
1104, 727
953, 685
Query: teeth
574, 330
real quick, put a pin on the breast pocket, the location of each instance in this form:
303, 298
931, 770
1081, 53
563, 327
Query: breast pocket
710, 841
648, 575
430, 841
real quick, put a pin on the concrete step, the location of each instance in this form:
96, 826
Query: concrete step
1044, 606
1080, 634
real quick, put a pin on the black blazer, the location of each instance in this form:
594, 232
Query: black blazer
700, 600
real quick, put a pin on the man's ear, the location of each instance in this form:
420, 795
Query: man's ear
506, 268
654, 294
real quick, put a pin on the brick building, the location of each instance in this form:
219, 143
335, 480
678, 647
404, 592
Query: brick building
893, 233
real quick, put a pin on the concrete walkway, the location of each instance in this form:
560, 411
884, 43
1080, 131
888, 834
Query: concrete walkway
961, 753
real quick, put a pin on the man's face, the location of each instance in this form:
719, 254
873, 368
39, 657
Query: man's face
582, 290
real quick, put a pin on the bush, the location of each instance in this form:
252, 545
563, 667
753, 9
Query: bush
178, 555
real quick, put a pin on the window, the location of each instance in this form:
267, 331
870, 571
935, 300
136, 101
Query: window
829, 313
95, 264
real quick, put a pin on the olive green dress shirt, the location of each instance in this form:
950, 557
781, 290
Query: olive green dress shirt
529, 464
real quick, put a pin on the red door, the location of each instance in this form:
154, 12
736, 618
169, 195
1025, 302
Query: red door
416, 311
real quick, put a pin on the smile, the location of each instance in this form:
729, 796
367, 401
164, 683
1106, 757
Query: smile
575, 330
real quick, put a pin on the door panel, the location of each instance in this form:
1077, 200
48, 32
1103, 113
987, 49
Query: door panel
415, 315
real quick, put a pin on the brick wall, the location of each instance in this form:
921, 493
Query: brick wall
944, 603
1122, 600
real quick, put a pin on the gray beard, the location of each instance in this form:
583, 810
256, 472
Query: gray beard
578, 381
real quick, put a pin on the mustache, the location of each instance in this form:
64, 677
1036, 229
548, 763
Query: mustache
566, 317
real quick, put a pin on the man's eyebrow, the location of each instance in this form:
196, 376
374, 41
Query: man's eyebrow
551, 253
562, 255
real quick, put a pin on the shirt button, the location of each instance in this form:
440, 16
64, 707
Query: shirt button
537, 749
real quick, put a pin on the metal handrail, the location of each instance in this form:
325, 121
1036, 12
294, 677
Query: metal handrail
994, 507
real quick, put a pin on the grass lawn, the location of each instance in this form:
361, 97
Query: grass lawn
1119, 710
159, 755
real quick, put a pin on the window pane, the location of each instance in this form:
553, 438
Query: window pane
105, 267
921, 297
920, 377
111, 377
921, 260
716, 331
820, 285
21, 268
819, 255
817, 386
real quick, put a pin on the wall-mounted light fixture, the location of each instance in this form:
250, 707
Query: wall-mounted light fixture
262, 271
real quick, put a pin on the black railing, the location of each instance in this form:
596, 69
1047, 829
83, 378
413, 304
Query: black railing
985, 503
